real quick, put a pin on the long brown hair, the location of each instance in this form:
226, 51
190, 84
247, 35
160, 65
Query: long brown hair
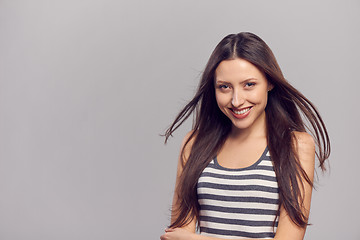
286, 111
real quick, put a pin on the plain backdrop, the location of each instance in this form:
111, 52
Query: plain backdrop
87, 86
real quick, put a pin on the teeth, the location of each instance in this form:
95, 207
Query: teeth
242, 111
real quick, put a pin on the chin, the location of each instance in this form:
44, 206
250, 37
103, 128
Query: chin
240, 126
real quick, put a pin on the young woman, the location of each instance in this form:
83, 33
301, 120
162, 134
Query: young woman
246, 169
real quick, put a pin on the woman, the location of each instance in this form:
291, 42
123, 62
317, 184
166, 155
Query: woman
246, 169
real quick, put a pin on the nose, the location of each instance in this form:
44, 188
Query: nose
237, 99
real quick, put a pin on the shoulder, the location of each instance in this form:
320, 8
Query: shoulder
303, 141
304, 146
186, 146
188, 140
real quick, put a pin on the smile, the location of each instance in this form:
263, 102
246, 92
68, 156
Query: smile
241, 113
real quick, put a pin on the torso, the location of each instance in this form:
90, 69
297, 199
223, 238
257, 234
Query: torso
238, 202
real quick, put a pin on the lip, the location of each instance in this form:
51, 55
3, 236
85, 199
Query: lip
240, 116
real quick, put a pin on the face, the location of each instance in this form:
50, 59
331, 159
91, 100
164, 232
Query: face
241, 93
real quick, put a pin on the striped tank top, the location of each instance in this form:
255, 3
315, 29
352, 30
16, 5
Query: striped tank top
239, 203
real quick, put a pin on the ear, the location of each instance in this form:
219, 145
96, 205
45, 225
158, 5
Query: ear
270, 87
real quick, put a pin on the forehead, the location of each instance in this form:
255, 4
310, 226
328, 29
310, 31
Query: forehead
237, 69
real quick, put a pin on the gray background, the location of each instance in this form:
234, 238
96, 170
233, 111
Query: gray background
86, 87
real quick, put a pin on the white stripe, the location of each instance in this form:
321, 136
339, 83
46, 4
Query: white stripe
232, 193
253, 205
221, 236
241, 173
233, 227
225, 237
238, 182
266, 163
237, 216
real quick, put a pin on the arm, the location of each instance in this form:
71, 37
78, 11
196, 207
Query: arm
305, 148
191, 227
287, 229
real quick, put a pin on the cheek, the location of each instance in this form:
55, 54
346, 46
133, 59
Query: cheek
222, 100
259, 97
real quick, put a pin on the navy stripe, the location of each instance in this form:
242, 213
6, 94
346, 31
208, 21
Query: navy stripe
239, 222
239, 210
257, 167
238, 199
238, 233
239, 177
237, 187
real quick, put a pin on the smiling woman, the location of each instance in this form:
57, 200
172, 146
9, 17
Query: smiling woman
241, 89
246, 169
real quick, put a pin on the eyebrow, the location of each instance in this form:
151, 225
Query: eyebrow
246, 80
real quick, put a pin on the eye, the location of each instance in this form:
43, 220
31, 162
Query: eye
249, 84
223, 86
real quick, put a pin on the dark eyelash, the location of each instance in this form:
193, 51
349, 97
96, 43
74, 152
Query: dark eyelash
250, 84
223, 86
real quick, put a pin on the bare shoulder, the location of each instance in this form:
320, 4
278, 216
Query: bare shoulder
305, 147
303, 141
186, 146
304, 138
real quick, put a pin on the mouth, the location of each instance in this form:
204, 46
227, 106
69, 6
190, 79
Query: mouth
240, 113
